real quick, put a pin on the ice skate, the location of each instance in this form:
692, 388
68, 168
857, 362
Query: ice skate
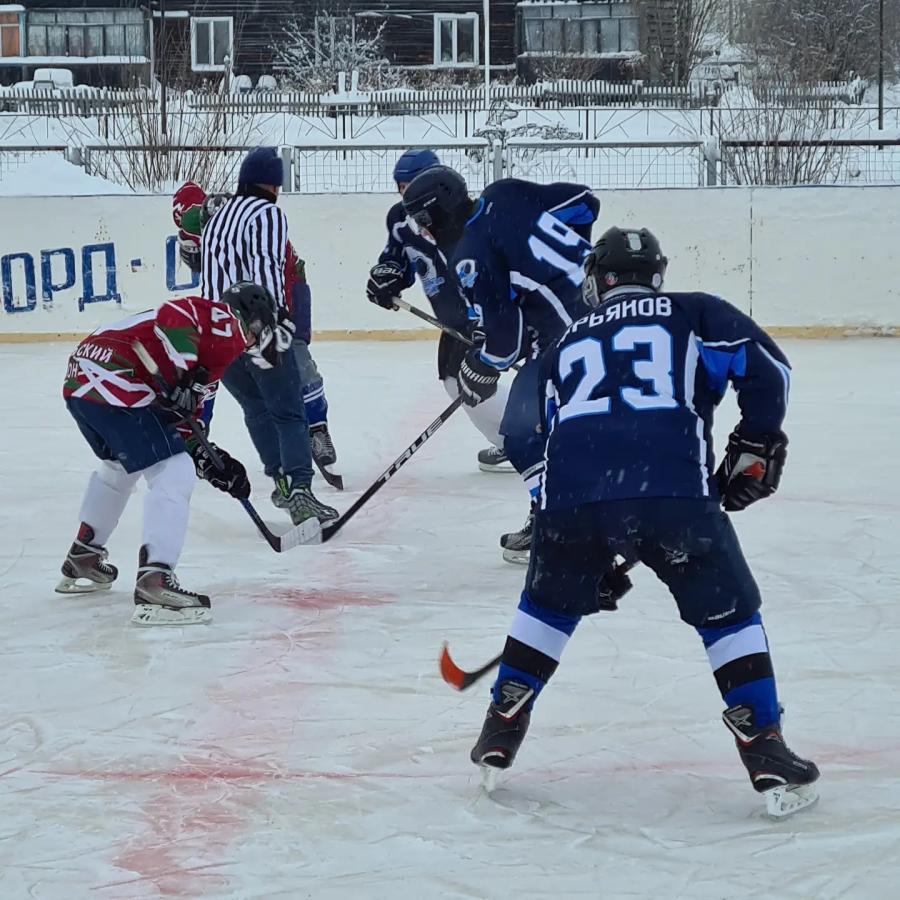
85, 569
493, 459
783, 778
504, 729
517, 544
160, 600
324, 455
299, 500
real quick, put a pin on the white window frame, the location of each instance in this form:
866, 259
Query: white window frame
209, 21
455, 18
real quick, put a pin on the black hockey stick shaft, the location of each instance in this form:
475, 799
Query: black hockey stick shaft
420, 313
273, 540
332, 528
462, 679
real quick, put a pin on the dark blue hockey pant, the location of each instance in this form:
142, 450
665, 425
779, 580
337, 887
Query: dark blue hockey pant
689, 544
523, 440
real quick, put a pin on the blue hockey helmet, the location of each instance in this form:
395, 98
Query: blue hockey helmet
412, 162
438, 201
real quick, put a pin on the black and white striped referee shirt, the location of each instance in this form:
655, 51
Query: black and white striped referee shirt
245, 240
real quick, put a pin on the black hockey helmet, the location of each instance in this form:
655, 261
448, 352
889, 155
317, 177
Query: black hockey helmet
254, 306
438, 201
623, 256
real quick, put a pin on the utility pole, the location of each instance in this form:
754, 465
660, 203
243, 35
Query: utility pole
880, 65
487, 55
163, 69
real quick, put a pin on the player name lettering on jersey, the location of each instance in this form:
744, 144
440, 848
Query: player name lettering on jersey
94, 352
645, 307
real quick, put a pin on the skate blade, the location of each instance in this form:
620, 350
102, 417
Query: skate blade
150, 614
517, 557
782, 802
81, 586
501, 468
332, 478
489, 777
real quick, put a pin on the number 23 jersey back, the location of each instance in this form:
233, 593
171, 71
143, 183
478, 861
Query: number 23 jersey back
630, 392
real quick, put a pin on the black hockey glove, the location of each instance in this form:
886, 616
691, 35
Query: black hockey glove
477, 380
284, 331
231, 478
189, 251
183, 399
612, 587
751, 469
385, 283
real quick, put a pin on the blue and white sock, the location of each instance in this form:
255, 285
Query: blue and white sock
534, 645
740, 660
315, 403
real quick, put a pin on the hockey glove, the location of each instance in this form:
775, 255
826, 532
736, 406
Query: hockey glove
184, 398
477, 380
231, 478
385, 284
751, 469
611, 588
284, 331
189, 251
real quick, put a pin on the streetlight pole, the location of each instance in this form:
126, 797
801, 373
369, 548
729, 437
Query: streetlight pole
487, 54
163, 73
880, 65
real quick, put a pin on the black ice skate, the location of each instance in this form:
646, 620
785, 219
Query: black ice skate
517, 544
786, 780
504, 729
160, 600
493, 459
85, 569
324, 455
299, 500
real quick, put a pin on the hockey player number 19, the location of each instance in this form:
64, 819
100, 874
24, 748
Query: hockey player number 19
564, 235
655, 371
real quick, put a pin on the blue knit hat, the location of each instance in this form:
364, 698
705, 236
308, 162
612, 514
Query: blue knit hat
262, 165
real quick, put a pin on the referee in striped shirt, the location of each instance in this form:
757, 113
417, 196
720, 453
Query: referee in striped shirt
246, 240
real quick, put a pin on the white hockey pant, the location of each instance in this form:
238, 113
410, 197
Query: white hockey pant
166, 507
487, 416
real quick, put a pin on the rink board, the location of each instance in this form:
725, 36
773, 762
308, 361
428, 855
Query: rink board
820, 261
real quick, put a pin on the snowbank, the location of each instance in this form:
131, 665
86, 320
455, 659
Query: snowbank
52, 176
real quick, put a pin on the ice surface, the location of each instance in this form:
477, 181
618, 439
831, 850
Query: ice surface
303, 745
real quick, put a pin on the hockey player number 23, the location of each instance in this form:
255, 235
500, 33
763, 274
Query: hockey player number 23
655, 371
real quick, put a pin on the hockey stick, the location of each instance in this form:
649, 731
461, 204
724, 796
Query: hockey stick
332, 528
308, 532
460, 679
431, 320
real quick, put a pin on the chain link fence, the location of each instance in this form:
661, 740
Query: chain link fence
645, 165
370, 170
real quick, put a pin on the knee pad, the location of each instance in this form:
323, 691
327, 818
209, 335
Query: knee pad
175, 476
113, 475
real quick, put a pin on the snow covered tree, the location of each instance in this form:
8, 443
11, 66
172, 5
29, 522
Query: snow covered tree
313, 50
816, 40
678, 34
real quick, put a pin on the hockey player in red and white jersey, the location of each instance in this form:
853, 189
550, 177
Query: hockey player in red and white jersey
135, 423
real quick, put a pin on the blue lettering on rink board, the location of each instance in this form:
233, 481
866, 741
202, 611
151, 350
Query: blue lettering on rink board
87, 275
57, 271
48, 286
171, 265
10, 303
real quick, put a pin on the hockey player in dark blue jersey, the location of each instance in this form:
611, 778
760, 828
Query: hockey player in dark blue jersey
517, 252
630, 391
409, 253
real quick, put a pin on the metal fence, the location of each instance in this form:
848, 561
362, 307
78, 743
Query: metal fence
369, 170
648, 165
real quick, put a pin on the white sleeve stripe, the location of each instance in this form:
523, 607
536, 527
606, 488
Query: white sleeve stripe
726, 343
782, 369
572, 199
529, 284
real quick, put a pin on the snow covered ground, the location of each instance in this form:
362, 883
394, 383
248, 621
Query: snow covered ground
303, 745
